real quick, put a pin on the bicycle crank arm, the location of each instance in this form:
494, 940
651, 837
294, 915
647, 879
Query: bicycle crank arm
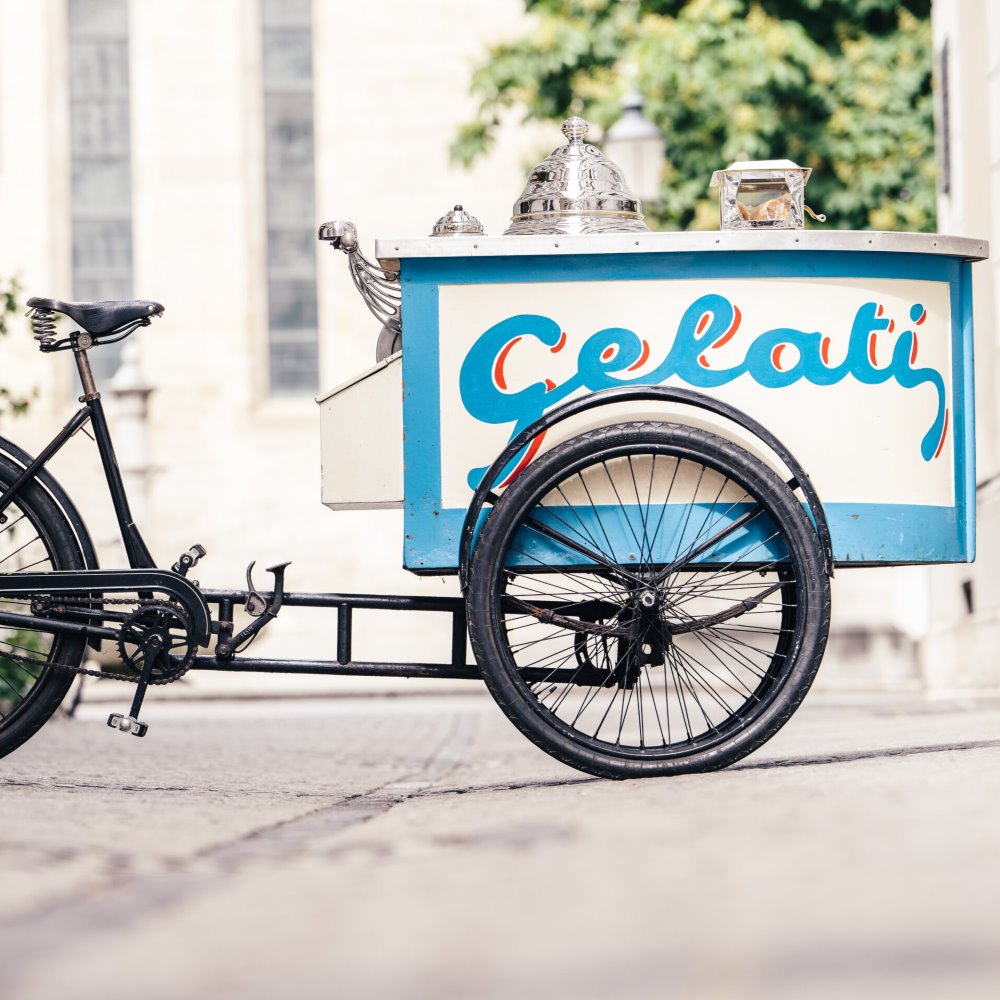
86, 582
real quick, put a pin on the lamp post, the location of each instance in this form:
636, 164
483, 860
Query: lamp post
638, 147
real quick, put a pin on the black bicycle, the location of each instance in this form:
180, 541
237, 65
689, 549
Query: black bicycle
682, 650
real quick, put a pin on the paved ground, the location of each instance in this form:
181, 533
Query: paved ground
419, 847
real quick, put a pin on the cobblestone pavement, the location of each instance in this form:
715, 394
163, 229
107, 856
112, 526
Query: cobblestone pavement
419, 847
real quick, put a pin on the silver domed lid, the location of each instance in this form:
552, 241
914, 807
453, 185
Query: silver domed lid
457, 222
576, 189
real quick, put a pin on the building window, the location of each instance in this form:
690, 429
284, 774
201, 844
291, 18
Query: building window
291, 218
100, 155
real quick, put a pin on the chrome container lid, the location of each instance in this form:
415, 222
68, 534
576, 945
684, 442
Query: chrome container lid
576, 189
457, 222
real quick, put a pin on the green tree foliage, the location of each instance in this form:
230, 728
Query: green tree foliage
10, 402
842, 86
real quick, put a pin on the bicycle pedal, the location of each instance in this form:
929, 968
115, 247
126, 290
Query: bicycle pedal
189, 559
126, 724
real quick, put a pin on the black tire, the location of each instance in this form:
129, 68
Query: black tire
35, 536
617, 577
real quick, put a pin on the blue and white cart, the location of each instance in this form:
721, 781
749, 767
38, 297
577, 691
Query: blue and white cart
644, 455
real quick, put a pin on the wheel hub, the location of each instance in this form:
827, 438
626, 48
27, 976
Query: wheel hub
648, 599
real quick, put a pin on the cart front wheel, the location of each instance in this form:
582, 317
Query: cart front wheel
648, 598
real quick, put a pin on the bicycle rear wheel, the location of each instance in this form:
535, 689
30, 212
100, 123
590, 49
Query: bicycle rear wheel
648, 598
35, 537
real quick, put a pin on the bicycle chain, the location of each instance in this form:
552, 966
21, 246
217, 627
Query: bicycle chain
109, 675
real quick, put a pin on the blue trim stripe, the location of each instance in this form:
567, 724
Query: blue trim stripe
421, 399
651, 267
866, 533
964, 396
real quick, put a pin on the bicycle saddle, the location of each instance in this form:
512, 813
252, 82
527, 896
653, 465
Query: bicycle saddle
100, 317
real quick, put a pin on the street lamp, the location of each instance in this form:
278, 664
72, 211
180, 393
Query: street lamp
638, 147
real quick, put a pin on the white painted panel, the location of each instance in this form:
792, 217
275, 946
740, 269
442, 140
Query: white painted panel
861, 443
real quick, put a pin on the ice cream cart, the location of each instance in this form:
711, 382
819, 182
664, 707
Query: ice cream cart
641, 455
644, 454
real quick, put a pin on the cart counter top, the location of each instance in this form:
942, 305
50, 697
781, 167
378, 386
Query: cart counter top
389, 250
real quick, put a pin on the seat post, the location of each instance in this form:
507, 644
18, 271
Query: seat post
80, 346
135, 548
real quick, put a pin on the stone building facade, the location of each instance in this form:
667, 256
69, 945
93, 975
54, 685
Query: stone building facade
186, 152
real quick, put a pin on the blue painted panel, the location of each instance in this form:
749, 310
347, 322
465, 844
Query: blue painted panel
964, 396
618, 532
861, 533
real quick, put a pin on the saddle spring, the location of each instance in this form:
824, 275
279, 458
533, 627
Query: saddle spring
43, 327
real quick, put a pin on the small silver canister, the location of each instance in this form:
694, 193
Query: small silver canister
457, 222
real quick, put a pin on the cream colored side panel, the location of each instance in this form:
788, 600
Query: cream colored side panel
361, 440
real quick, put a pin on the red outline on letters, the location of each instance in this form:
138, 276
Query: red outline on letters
498, 366
944, 434
642, 357
728, 335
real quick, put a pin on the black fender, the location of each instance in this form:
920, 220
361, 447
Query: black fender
628, 394
61, 499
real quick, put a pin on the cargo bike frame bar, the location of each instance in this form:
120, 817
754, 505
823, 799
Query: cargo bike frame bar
345, 664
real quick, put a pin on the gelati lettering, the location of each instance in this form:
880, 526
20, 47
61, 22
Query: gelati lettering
773, 359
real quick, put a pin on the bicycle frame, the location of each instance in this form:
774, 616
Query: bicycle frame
225, 601
92, 411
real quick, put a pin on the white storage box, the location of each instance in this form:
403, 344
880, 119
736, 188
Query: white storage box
361, 440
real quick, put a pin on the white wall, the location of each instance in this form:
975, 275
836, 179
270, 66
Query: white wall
960, 650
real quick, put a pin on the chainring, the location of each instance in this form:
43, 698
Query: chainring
177, 647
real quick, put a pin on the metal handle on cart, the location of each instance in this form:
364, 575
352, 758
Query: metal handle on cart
379, 286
